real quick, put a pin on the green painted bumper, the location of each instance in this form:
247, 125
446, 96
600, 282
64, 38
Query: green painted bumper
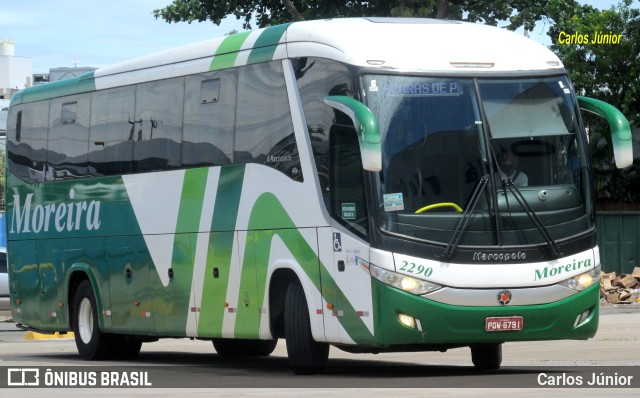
449, 324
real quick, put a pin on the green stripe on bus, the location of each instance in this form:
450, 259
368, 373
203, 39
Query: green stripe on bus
83, 84
247, 323
174, 307
304, 255
227, 52
219, 254
228, 198
191, 200
266, 44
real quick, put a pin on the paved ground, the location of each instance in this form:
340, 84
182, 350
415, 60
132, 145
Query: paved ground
613, 349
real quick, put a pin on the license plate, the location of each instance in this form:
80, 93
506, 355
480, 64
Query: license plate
503, 323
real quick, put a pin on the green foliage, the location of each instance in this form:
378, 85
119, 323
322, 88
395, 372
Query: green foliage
609, 72
272, 12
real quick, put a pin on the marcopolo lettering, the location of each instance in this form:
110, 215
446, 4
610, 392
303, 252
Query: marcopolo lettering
60, 217
499, 256
550, 271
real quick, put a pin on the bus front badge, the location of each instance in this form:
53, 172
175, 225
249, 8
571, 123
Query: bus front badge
504, 297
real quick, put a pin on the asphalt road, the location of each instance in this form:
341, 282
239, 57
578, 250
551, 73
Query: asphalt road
529, 368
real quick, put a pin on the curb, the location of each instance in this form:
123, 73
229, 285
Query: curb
42, 336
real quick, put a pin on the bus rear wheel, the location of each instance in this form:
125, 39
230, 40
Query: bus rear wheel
486, 356
127, 347
92, 344
233, 348
306, 356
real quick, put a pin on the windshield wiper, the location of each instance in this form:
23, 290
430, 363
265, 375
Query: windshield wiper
517, 194
533, 216
466, 217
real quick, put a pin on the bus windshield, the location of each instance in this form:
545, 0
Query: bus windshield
500, 153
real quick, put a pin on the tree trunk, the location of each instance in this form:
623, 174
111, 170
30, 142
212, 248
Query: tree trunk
288, 4
442, 9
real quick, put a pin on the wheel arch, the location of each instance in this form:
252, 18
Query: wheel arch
279, 280
78, 273
278, 283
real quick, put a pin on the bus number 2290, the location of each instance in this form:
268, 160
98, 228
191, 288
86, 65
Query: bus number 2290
416, 269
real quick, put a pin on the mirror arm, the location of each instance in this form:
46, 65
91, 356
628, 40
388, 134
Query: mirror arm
366, 126
618, 125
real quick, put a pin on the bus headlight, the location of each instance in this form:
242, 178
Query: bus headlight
403, 282
584, 280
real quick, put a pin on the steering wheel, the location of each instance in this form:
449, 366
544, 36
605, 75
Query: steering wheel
439, 205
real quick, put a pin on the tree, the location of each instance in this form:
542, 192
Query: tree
609, 72
271, 12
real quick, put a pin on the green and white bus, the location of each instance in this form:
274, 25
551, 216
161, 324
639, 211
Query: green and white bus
344, 183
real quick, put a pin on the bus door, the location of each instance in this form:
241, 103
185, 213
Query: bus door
348, 301
350, 288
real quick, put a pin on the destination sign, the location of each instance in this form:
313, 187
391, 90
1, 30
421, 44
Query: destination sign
419, 88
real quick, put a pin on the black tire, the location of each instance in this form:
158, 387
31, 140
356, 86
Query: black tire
306, 356
92, 344
486, 356
127, 347
234, 348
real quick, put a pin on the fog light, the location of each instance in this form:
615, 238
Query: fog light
580, 319
407, 320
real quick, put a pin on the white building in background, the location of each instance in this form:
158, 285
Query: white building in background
15, 71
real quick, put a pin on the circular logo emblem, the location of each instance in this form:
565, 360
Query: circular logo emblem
504, 297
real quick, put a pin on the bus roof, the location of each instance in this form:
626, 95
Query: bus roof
390, 44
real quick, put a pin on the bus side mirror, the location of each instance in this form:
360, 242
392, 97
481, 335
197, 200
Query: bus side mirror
366, 126
618, 125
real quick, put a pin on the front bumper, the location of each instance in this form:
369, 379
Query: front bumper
461, 325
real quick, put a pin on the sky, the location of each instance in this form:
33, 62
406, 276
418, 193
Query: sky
67, 33
59, 33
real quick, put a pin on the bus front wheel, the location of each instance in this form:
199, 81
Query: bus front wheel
486, 356
306, 356
92, 344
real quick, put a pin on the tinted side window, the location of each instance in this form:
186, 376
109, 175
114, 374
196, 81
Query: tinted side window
111, 133
348, 203
264, 131
318, 78
28, 148
158, 125
68, 137
209, 119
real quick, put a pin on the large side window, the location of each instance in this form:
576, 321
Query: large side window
27, 144
68, 137
209, 119
264, 131
333, 140
157, 130
111, 132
